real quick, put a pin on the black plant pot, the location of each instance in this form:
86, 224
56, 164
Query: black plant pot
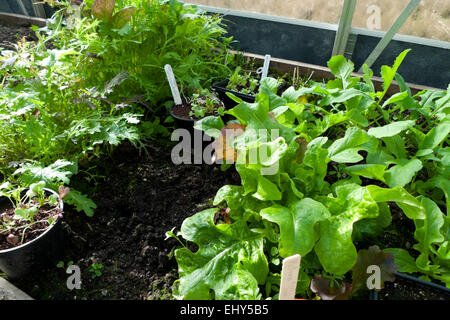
416, 283
180, 122
33, 256
188, 124
221, 89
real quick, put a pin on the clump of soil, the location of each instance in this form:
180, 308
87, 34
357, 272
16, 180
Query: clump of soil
182, 111
10, 34
141, 198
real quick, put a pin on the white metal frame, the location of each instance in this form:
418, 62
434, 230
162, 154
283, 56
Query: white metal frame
345, 26
407, 11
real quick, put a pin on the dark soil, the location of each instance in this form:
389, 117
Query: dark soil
403, 289
182, 111
141, 198
10, 34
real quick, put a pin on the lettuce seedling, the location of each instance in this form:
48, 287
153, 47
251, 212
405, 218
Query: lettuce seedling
33, 211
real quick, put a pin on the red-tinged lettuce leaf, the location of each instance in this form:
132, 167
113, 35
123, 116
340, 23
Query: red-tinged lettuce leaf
322, 287
122, 17
313, 168
373, 257
222, 145
301, 151
103, 9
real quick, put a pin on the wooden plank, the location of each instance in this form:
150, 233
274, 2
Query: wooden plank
21, 20
321, 72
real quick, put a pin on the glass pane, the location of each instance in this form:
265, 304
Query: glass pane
431, 18
317, 10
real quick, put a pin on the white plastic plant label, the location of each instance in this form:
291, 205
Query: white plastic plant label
265, 70
173, 84
289, 277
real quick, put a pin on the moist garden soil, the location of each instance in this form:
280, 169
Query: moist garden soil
141, 198
10, 34
182, 111
403, 289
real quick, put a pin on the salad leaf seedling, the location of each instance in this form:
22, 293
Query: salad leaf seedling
243, 82
95, 270
33, 212
205, 103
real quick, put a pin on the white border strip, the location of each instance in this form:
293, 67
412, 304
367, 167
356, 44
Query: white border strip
324, 25
266, 17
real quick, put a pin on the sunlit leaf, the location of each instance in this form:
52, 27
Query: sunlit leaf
122, 17
222, 145
103, 9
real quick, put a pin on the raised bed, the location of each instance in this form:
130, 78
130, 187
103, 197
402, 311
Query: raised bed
139, 199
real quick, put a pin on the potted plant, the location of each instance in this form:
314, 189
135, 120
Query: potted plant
30, 228
202, 103
242, 84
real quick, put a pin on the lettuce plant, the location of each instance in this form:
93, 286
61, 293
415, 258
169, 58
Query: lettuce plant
307, 195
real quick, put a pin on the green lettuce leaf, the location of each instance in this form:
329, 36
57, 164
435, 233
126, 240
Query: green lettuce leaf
230, 260
298, 233
335, 249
